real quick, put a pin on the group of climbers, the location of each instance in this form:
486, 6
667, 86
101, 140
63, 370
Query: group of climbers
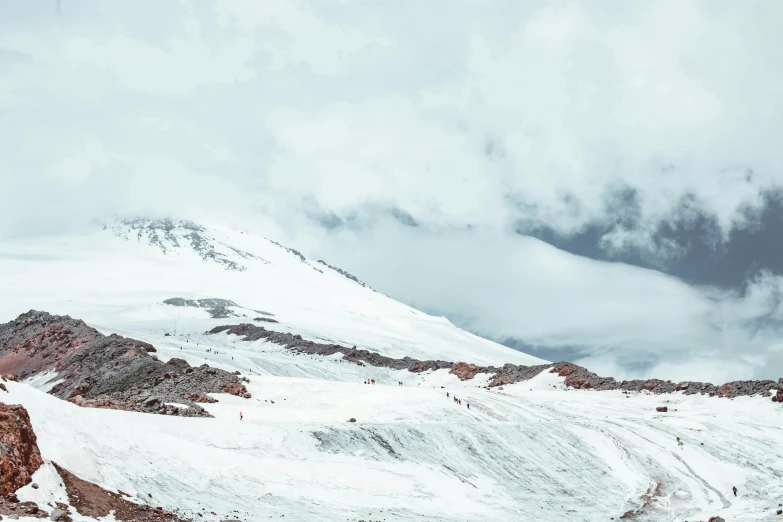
458, 401
369, 381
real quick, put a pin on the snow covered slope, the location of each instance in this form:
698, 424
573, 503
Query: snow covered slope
119, 276
533, 452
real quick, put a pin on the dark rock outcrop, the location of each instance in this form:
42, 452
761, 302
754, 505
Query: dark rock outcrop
113, 372
19, 454
343, 273
575, 376
662, 409
251, 332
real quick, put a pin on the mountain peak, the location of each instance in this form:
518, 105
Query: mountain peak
172, 235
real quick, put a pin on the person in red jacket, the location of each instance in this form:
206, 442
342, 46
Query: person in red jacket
240, 415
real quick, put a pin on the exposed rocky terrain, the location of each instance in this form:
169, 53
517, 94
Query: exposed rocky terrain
91, 500
217, 308
93, 370
343, 273
575, 376
19, 454
171, 234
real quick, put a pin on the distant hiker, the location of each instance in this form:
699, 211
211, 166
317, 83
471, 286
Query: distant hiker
468, 405
734, 488
447, 395
679, 442
240, 415
460, 402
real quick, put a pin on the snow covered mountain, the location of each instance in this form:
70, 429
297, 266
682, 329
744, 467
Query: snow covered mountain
119, 276
507, 442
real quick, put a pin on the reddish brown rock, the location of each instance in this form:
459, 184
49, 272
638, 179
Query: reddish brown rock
200, 397
778, 397
662, 409
236, 388
727, 390
464, 371
19, 454
91, 500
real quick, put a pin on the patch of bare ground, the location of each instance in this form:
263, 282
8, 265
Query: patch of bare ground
91, 500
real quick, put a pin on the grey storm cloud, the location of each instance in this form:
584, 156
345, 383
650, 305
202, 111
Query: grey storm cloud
599, 181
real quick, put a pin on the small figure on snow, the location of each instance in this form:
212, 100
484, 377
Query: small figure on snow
447, 395
240, 415
734, 489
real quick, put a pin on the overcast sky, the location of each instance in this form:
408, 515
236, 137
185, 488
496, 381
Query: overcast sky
594, 181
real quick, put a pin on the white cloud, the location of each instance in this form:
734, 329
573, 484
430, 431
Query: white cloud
509, 286
457, 113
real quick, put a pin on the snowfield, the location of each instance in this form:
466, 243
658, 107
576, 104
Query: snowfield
533, 451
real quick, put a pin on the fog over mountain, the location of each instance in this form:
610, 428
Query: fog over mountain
599, 183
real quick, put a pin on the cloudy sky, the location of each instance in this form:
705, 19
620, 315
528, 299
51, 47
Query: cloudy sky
597, 182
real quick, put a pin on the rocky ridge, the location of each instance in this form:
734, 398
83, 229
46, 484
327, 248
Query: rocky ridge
575, 376
343, 273
94, 370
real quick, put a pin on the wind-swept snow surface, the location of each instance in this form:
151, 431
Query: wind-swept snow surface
536, 452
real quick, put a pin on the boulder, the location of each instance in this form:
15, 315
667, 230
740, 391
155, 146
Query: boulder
662, 409
19, 453
464, 371
351, 420
716, 519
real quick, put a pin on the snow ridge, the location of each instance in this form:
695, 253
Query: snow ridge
170, 235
